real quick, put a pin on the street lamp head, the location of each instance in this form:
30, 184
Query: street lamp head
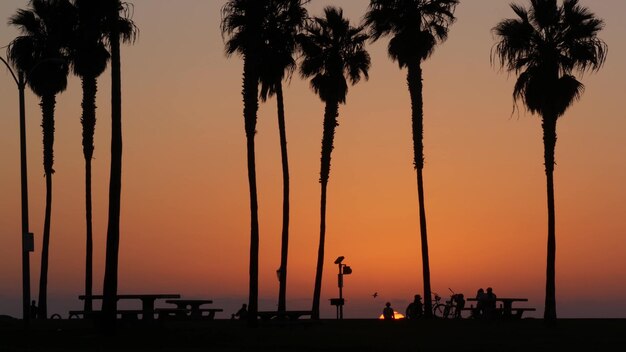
339, 260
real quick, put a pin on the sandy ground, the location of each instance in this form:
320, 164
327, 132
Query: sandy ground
323, 335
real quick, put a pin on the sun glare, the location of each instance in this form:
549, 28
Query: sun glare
396, 314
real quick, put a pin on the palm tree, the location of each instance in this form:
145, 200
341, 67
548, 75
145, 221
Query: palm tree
41, 52
544, 45
117, 26
333, 53
89, 60
243, 22
415, 27
285, 20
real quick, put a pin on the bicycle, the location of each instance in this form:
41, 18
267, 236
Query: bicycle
452, 308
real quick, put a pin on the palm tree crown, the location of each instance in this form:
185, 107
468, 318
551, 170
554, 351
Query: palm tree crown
544, 45
285, 20
334, 52
416, 26
41, 51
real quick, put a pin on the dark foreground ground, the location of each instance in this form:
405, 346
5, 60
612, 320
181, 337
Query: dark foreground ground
324, 335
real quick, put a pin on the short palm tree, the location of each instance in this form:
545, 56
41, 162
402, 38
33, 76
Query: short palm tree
333, 53
544, 45
41, 53
243, 23
415, 27
285, 20
115, 17
89, 57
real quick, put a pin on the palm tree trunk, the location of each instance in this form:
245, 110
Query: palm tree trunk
549, 141
250, 108
282, 291
21, 84
47, 107
88, 121
330, 123
414, 79
109, 303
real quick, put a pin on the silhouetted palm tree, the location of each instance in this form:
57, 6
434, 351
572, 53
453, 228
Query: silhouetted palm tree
544, 45
285, 20
333, 52
118, 26
243, 22
89, 57
41, 52
89, 60
415, 27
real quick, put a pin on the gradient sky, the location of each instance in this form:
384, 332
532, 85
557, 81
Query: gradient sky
185, 217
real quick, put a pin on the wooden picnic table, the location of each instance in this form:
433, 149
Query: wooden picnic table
193, 305
147, 301
507, 304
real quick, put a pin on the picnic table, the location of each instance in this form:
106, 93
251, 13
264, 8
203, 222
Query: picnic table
193, 306
506, 305
147, 302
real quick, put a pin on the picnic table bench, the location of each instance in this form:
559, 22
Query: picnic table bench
147, 305
193, 307
290, 314
506, 309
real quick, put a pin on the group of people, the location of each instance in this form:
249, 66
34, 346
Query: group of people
485, 306
414, 310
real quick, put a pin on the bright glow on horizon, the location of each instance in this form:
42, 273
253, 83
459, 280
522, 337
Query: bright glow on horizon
397, 316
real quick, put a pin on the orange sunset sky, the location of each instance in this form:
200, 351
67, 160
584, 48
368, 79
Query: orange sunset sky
185, 210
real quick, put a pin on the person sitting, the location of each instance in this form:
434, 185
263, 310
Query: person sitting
33, 310
490, 303
242, 313
479, 312
388, 313
415, 309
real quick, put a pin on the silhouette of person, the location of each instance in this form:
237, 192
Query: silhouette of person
459, 302
490, 303
33, 310
242, 313
479, 312
388, 313
415, 309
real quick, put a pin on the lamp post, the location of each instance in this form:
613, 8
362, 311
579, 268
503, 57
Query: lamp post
27, 237
343, 270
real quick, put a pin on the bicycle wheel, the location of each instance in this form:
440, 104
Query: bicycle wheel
438, 310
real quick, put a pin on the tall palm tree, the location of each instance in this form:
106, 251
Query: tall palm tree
117, 27
544, 45
333, 53
285, 20
89, 60
41, 52
415, 28
242, 23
